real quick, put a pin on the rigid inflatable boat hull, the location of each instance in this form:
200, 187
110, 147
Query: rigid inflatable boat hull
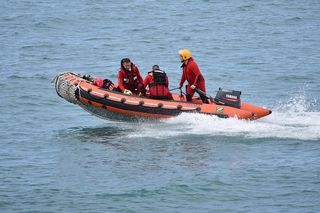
118, 106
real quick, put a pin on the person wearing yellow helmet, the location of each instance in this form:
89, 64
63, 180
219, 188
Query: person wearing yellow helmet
191, 73
184, 55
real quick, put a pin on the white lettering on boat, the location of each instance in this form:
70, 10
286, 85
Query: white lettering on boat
231, 96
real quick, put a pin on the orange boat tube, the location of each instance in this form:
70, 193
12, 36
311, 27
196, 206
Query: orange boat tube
109, 104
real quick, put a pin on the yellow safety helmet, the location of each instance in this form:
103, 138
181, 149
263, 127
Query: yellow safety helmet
184, 54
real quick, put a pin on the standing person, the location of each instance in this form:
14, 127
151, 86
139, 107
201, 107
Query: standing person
158, 83
129, 78
191, 73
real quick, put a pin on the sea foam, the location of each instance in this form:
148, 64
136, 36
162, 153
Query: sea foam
294, 118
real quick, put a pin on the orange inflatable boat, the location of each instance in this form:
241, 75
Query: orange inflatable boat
110, 104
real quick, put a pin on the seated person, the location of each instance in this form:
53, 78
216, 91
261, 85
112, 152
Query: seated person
157, 81
129, 78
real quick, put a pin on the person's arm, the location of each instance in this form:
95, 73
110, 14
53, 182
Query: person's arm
139, 76
120, 81
183, 79
146, 81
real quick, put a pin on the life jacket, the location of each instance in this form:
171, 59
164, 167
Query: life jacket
158, 85
130, 78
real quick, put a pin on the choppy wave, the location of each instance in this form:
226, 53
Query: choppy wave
292, 119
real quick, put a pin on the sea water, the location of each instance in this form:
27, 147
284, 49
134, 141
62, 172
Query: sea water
55, 157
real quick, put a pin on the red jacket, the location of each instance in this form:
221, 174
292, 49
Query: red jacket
191, 73
129, 79
158, 88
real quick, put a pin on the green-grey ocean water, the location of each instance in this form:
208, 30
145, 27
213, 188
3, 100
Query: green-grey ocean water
55, 157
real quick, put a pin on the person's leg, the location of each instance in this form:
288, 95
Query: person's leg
189, 92
202, 87
204, 99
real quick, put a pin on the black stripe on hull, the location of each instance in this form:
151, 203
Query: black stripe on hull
134, 108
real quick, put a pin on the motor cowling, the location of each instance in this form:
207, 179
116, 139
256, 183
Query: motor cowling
228, 98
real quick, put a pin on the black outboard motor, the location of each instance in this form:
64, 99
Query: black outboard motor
228, 97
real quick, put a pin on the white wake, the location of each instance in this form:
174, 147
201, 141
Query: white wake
293, 119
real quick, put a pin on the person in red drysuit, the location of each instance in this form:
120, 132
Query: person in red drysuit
157, 81
129, 78
191, 73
